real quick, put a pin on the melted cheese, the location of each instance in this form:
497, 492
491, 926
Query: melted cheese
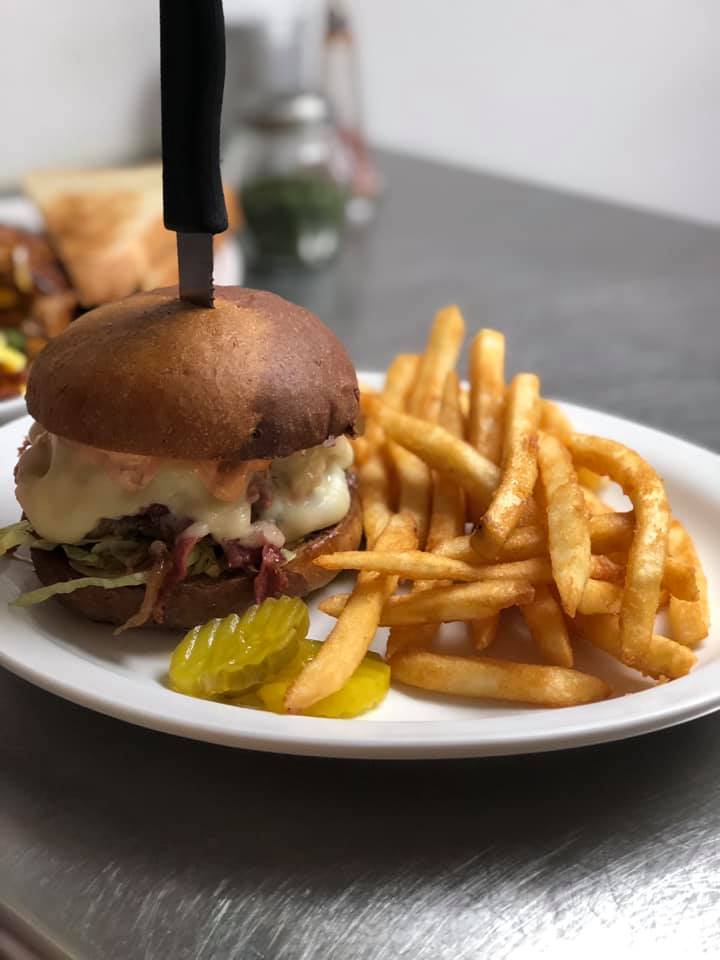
65, 493
309, 489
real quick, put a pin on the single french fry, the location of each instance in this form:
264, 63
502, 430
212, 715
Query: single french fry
663, 658
466, 601
487, 393
520, 468
441, 450
611, 532
374, 492
568, 528
374, 435
408, 565
546, 623
600, 596
420, 565
482, 633
438, 360
591, 481
689, 621
680, 579
485, 678
554, 420
465, 404
413, 477
485, 432
365, 389
603, 568
487, 400
399, 381
522, 544
362, 449
414, 491
595, 505
447, 519
648, 549
350, 638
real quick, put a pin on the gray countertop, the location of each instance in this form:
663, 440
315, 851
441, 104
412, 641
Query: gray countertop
125, 843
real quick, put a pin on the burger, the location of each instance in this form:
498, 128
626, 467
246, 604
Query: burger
187, 462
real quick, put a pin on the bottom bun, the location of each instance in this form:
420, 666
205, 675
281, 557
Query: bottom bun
201, 598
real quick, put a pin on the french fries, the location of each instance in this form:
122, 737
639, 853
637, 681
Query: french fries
568, 528
355, 629
497, 679
648, 549
437, 457
435, 395
467, 601
663, 659
547, 627
520, 467
440, 450
522, 544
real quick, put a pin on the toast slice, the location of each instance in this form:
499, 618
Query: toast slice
107, 228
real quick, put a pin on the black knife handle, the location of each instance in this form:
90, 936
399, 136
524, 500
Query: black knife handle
192, 74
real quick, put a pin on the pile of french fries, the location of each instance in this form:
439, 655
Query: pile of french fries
485, 499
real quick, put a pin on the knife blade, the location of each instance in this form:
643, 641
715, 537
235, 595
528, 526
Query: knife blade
192, 75
195, 267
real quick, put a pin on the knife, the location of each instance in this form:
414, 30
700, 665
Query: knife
192, 74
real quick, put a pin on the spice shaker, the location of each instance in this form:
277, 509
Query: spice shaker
294, 182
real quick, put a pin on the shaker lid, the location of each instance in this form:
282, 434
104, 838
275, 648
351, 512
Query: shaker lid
291, 109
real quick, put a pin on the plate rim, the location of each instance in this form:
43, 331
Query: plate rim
392, 739
12, 408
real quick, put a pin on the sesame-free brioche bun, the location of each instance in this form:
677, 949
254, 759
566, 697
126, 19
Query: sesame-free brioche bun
254, 377
201, 598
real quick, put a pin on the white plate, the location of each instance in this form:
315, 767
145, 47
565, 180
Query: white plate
12, 409
123, 677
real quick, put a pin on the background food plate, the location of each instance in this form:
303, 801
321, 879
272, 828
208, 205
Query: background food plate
123, 677
20, 212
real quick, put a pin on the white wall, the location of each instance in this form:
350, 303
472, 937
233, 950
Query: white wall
617, 98
78, 82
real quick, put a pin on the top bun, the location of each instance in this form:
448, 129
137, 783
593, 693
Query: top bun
255, 377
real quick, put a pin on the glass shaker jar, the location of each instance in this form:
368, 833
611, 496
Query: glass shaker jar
294, 183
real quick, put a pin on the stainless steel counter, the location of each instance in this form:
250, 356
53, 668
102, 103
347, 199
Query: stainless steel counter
125, 843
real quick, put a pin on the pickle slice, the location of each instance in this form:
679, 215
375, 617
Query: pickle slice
365, 689
229, 657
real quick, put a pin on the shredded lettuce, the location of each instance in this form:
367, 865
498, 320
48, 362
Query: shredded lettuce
21, 534
70, 586
203, 559
111, 554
